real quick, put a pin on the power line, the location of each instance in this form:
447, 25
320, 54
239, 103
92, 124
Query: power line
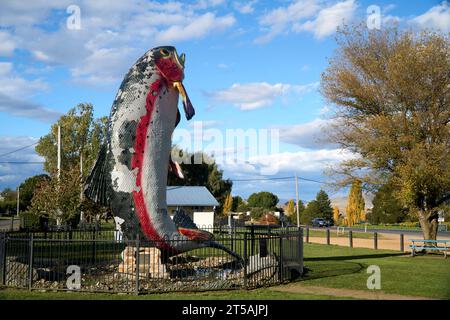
17, 150
22, 162
280, 178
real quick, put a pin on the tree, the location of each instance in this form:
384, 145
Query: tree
336, 215
228, 204
206, 173
324, 204
290, 208
386, 208
264, 199
28, 187
80, 135
311, 211
391, 92
355, 204
237, 201
58, 199
9, 202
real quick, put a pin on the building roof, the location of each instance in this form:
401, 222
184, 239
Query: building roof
190, 196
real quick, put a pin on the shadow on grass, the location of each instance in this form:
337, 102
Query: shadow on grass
328, 270
356, 257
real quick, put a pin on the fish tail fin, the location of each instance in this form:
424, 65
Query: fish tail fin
214, 244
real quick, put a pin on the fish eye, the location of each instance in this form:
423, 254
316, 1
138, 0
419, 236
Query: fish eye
164, 52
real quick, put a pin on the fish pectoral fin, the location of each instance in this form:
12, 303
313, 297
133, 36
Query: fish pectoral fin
175, 168
195, 234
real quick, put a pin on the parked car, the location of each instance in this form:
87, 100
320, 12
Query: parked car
320, 222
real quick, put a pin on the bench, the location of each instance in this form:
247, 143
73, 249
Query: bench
429, 245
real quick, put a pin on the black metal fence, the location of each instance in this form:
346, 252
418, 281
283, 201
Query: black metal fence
101, 261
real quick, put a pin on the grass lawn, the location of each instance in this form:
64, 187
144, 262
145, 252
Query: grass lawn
257, 294
328, 266
343, 267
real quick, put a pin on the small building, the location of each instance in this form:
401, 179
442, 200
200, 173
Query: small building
196, 201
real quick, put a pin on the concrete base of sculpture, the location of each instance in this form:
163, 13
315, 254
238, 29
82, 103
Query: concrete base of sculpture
150, 265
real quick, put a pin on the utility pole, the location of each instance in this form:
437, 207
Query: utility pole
81, 184
18, 200
58, 219
59, 152
296, 203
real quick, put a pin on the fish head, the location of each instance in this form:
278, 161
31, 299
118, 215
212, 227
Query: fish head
171, 67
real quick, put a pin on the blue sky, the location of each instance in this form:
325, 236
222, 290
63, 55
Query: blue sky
249, 65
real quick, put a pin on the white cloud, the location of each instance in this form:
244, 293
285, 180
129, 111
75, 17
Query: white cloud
323, 18
311, 161
245, 7
256, 95
112, 35
277, 20
12, 175
310, 135
7, 44
15, 92
328, 19
438, 17
197, 28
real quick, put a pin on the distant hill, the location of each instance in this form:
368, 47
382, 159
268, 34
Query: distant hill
341, 202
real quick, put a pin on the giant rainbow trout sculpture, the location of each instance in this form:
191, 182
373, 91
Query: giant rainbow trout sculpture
130, 174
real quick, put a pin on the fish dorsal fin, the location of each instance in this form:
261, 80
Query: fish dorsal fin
182, 220
97, 183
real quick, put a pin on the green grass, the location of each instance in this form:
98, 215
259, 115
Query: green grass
257, 294
342, 267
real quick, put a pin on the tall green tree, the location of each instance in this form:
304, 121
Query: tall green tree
264, 199
81, 134
391, 92
237, 201
386, 208
324, 204
311, 211
206, 173
28, 187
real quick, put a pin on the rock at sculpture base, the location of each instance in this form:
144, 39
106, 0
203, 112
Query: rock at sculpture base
150, 265
257, 263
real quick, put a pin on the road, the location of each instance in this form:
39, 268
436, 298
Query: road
5, 224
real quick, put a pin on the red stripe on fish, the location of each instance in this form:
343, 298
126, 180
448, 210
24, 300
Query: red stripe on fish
138, 161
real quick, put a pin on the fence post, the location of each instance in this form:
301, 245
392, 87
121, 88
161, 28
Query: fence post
328, 235
300, 248
307, 234
252, 241
281, 259
402, 242
245, 261
3, 257
137, 263
375, 240
12, 223
30, 269
94, 247
350, 238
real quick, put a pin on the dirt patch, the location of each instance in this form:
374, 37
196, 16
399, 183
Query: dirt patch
344, 293
387, 241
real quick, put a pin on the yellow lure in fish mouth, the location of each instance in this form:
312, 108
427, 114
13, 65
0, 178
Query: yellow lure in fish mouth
188, 108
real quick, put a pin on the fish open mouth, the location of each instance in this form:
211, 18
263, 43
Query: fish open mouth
188, 108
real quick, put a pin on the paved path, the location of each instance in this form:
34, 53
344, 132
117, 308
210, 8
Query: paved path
344, 293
